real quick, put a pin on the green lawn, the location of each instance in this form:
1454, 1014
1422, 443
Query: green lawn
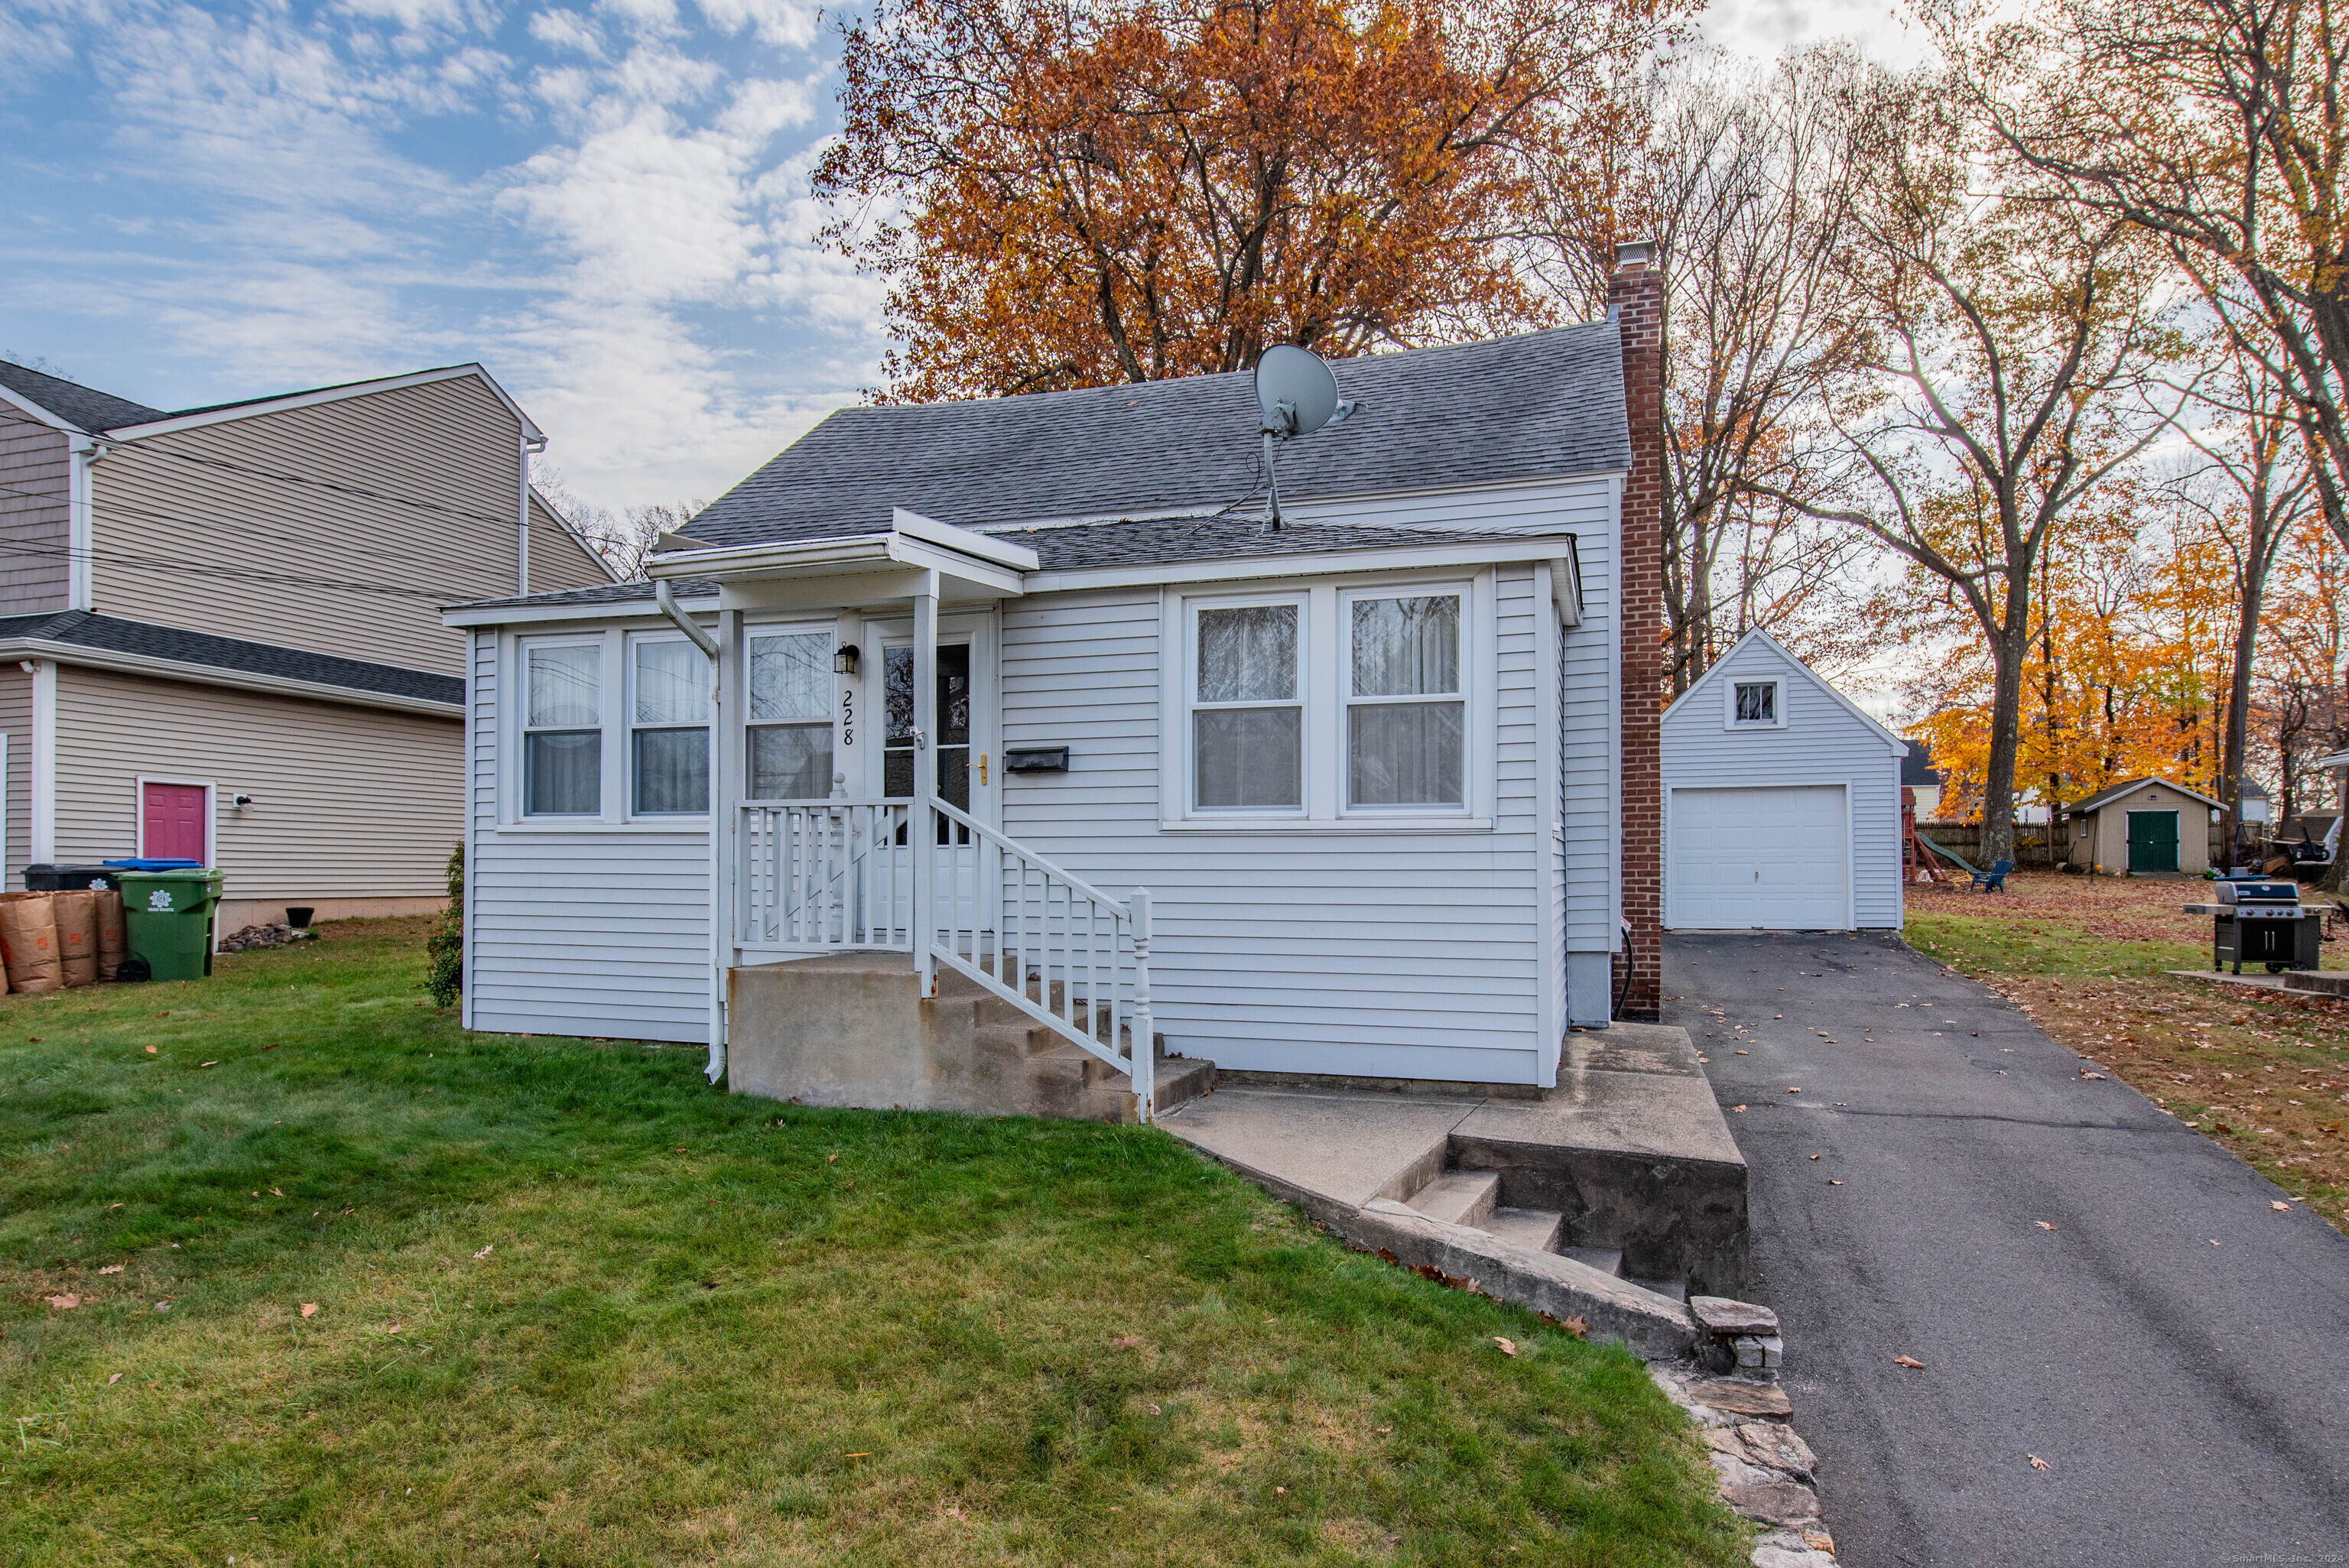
574, 1307
1999, 944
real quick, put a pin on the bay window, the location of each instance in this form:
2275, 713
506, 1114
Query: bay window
563, 733
668, 729
790, 718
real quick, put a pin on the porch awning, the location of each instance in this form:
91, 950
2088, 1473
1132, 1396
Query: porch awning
968, 565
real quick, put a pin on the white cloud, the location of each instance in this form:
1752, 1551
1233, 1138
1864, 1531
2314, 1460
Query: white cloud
561, 30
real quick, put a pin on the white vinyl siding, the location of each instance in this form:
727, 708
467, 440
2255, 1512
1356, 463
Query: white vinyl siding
184, 541
1371, 952
348, 803
600, 930
36, 517
1816, 741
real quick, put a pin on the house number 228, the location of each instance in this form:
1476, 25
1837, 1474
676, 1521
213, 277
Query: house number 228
848, 719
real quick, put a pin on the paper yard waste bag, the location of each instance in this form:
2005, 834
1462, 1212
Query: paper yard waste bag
28, 942
112, 944
76, 916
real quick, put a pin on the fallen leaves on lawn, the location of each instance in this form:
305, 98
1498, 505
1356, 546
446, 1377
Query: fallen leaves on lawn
150, 1050
210, 1064
65, 1302
111, 1268
1908, 1361
2285, 1207
113, 1380
1575, 1326
1127, 1342
483, 1253
310, 1309
1509, 1347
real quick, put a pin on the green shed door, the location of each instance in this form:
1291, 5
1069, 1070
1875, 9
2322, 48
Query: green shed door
2153, 840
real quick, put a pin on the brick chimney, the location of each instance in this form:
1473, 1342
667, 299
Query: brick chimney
1635, 301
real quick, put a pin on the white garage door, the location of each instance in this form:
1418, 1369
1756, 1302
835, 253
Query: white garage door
1773, 858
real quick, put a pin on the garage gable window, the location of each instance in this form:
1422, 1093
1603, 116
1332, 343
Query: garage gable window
1755, 704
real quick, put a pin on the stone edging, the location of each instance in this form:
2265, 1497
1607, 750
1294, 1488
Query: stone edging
1765, 1470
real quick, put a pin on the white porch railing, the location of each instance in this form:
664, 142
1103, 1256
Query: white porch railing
1007, 916
821, 876
824, 875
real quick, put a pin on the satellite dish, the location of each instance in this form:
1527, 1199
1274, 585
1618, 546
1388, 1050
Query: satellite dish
1295, 391
1297, 395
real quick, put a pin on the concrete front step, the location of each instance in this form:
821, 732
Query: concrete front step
1535, 1229
2328, 983
1606, 1260
1459, 1198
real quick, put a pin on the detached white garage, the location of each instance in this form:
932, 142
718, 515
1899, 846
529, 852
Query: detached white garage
1782, 802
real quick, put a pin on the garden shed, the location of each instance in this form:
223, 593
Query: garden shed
2144, 827
1782, 802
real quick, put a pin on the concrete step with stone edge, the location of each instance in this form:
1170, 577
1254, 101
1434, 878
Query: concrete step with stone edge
1460, 1197
1535, 1229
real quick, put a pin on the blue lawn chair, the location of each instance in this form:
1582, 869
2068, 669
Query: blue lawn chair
1994, 878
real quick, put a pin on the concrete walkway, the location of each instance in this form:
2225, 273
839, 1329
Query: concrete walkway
2191, 1400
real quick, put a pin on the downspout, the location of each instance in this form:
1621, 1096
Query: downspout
521, 538
80, 522
709, 645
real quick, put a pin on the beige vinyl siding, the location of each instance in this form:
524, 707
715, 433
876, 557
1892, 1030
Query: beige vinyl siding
16, 723
349, 802
557, 559
36, 516
372, 573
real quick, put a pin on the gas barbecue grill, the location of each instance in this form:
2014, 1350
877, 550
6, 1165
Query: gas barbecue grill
2260, 922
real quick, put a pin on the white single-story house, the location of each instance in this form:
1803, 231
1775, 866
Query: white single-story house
2144, 825
1782, 802
1031, 679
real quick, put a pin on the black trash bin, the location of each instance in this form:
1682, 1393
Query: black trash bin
64, 878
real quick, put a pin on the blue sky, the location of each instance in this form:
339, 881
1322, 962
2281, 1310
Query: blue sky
606, 202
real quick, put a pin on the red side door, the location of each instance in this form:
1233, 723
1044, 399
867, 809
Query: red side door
174, 820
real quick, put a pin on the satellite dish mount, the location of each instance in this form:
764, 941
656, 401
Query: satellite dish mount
1297, 395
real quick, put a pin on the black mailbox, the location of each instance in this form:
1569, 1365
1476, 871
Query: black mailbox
1036, 760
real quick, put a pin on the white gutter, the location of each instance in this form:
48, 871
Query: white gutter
686, 624
80, 524
590, 610
41, 838
530, 443
52, 653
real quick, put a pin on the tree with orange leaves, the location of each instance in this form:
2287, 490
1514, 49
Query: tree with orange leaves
1069, 196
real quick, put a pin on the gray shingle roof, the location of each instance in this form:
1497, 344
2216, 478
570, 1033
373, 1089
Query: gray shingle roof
91, 409
603, 593
110, 634
1148, 543
1543, 405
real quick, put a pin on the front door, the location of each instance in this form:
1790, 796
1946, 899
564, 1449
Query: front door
962, 752
2153, 840
173, 821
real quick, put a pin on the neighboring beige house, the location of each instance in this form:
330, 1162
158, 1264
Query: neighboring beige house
220, 628
2144, 827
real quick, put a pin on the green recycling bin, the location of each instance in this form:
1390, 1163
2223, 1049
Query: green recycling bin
166, 918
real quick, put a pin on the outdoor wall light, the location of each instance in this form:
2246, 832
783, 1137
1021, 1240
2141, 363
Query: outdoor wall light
843, 659
241, 802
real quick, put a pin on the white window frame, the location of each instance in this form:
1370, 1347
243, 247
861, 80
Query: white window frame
628, 725
212, 810
1323, 652
1301, 702
1348, 701
828, 629
604, 643
1729, 720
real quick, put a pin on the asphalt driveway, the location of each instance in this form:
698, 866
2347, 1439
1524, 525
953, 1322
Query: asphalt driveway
2175, 1350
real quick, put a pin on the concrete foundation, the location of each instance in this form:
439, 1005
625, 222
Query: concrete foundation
236, 913
854, 1031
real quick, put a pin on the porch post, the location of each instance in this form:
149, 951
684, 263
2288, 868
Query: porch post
725, 823
922, 834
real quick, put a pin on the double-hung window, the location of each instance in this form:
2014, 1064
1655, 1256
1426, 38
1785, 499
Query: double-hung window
563, 733
1248, 709
1406, 719
668, 727
790, 718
